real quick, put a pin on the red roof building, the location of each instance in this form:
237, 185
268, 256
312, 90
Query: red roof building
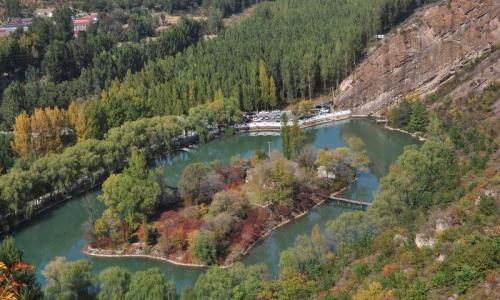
82, 23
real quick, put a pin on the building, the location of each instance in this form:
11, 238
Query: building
82, 23
44, 12
15, 24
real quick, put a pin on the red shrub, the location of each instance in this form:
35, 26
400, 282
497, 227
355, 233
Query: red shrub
253, 226
175, 229
102, 243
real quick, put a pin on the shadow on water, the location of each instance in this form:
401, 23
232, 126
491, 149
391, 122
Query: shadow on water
58, 232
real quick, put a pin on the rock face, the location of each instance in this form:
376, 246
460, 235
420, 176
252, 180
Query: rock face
425, 52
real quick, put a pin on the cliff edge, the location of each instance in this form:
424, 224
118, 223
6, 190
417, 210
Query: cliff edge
425, 52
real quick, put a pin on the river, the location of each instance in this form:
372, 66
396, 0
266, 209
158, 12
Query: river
58, 232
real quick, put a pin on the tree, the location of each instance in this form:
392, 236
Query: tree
12, 103
264, 85
305, 109
140, 26
17, 278
286, 140
374, 291
63, 30
205, 247
134, 194
215, 21
6, 155
273, 93
13, 8
419, 117
297, 139
150, 284
77, 117
58, 62
400, 115
281, 191
114, 283
22, 144
360, 159
68, 280
198, 183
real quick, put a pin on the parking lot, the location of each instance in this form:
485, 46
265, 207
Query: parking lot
275, 115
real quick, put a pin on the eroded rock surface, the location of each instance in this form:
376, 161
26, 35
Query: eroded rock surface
424, 52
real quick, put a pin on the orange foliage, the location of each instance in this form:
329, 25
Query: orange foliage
10, 286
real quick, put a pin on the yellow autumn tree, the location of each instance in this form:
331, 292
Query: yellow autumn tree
22, 136
374, 291
39, 131
57, 123
77, 118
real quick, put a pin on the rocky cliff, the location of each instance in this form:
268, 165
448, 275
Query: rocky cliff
428, 50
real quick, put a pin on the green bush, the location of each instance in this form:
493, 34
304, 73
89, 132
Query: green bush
205, 247
488, 206
465, 278
361, 270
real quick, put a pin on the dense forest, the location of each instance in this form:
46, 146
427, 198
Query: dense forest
287, 50
15, 8
59, 69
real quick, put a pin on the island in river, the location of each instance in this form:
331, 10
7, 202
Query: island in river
219, 211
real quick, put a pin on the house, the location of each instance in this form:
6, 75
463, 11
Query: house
15, 24
44, 12
82, 23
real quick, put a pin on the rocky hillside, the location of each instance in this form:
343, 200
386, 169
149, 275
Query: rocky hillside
426, 52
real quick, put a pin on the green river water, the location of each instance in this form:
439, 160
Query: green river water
58, 232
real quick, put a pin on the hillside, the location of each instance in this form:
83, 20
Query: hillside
424, 53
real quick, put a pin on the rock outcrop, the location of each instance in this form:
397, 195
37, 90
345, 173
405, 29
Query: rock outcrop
426, 51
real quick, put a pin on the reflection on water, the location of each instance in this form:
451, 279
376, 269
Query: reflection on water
59, 231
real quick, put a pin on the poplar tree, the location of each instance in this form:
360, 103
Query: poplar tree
22, 136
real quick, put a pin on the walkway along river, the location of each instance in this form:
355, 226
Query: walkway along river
58, 232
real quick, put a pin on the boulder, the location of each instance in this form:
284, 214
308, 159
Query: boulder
421, 241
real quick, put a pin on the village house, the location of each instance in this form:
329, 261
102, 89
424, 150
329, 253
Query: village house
82, 23
15, 24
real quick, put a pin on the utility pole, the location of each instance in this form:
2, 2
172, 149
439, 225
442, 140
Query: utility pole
269, 149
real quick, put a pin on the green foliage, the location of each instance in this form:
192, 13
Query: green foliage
140, 26
114, 283
286, 138
134, 194
205, 247
469, 261
68, 280
235, 282
17, 274
77, 67
410, 115
421, 178
361, 270
488, 206
6, 154
198, 183
86, 161
150, 284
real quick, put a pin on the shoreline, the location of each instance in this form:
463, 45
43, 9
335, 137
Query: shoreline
416, 136
261, 238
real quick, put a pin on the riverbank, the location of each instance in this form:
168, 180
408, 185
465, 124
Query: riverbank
416, 136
